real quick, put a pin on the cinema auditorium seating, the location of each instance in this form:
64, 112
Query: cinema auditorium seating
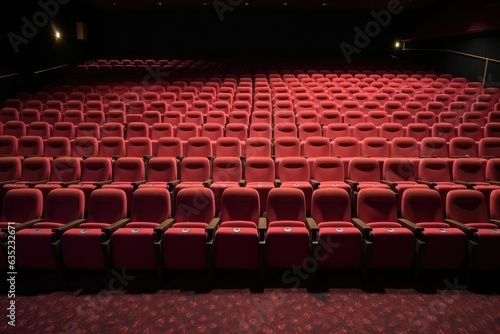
228, 169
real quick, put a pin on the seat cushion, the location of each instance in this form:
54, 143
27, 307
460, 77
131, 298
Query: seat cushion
34, 249
82, 248
287, 246
286, 223
393, 247
185, 248
238, 223
133, 247
340, 246
444, 248
335, 224
236, 247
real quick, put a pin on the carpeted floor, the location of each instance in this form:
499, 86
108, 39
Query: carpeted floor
235, 303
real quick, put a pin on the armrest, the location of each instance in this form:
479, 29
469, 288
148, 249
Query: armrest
277, 182
469, 185
361, 225
312, 226
207, 183
389, 183
467, 229
147, 157
411, 226
352, 183
101, 183
180, 157
211, 227
496, 183
66, 184
34, 183
314, 183
7, 182
242, 183
138, 183
27, 224
273, 157
60, 230
174, 183
262, 227
495, 221
113, 227
166, 224
427, 183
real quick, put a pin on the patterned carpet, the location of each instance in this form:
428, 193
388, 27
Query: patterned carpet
133, 303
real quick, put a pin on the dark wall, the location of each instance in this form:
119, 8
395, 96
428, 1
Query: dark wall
242, 33
480, 44
28, 43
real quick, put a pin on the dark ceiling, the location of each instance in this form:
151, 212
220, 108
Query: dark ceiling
327, 4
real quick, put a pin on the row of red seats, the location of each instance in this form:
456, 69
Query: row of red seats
261, 173
207, 101
325, 117
197, 239
311, 147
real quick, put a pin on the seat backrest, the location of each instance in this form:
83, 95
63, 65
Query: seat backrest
466, 206
96, 169
259, 169
107, 205
286, 204
65, 169
489, 147
169, 147
111, 146
294, 169
195, 169
434, 147
421, 205
328, 169
137, 129
377, 205
404, 147
8, 145
257, 147
21, 205
469, 170
375, 147
240, 204
398, 169
161, 169
194, 205
128, 169
64, 205
495, 204
150, 205
434, 170
346, 146
35, 169
363, 170
138, 147
199, 147
317, 147
287, 147
331, 205
463, 147
226, 169
227, 147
